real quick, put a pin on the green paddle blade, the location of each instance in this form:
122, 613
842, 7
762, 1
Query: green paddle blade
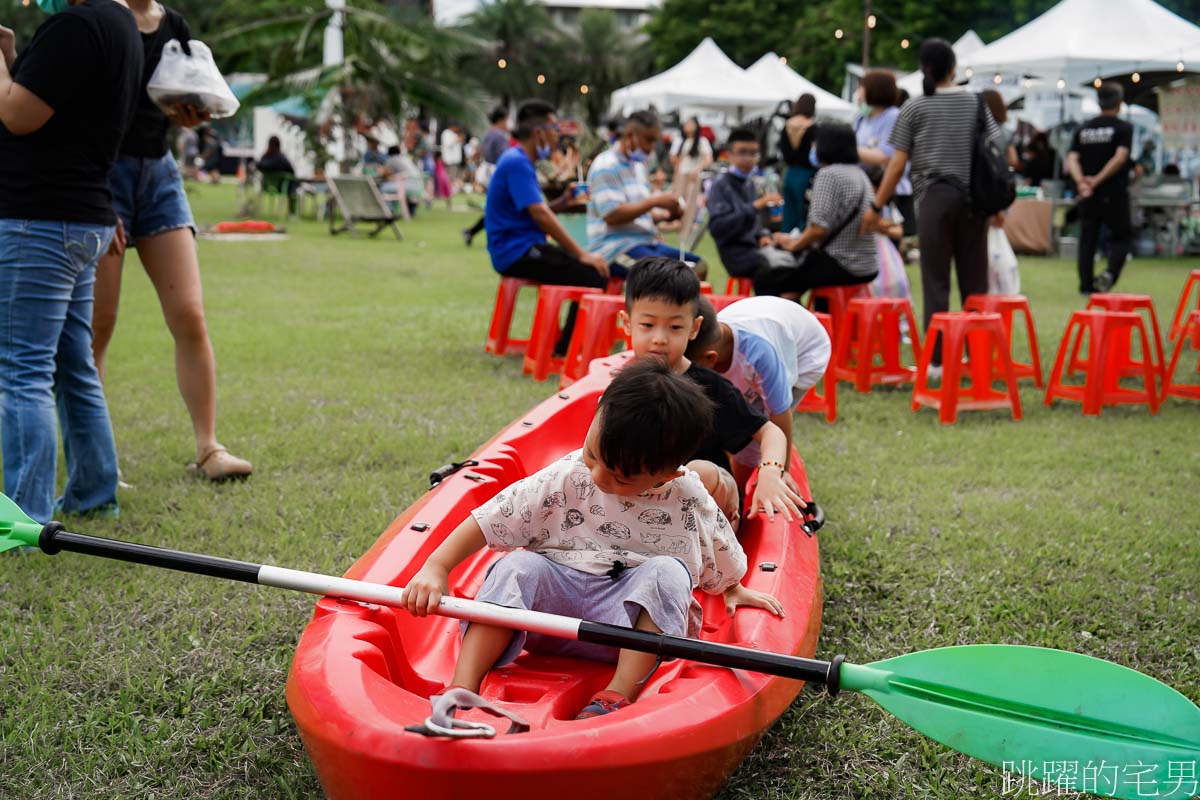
1084, 724
16, 528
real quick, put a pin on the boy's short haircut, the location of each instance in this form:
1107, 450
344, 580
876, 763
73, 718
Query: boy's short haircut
662, 278
651, 419
499, 114
709, 333
647, 120
741, 135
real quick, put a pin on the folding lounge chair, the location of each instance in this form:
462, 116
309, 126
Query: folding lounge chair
358, 199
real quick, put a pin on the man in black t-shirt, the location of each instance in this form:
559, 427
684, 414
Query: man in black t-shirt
1099, 164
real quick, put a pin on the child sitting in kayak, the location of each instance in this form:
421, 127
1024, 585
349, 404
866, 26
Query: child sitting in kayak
662, 301
773, 350
617, 532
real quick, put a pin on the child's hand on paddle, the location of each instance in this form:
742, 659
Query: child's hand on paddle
425, 590
737, 596
773, 495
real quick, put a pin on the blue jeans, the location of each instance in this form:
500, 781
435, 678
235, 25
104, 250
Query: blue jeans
47, 273
148, 196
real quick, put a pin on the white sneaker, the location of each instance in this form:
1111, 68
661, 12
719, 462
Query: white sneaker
933, 373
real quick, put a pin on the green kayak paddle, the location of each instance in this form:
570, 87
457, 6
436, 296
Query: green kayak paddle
1050, 716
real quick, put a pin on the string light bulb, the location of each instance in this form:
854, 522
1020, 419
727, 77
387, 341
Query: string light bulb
783, 60
1179, 67
970, 73
583, 89
904, 44
871, 21
839, 33
502, 63
1061, 84
997, 79
1136, 77
541, 79
1097, 82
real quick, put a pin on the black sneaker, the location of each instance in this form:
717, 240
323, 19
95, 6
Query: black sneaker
1104, 281
468, 237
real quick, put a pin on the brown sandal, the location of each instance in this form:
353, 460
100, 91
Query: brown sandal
217, 464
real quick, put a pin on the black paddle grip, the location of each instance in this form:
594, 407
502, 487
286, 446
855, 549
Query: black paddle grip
55, 538
833, 678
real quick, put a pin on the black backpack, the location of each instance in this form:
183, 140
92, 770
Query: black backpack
993, 187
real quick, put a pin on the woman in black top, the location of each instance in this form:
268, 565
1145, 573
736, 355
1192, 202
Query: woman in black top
795, 146
64, 105
148, 196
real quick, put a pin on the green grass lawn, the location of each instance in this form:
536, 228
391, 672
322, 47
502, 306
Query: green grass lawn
349, 368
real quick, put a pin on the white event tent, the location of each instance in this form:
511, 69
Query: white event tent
706, 80
1079, 40
773, 75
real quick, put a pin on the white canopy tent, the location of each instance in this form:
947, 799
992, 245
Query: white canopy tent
705, 80
772, 74
1078, 40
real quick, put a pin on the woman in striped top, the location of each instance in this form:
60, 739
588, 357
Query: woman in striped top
936, 135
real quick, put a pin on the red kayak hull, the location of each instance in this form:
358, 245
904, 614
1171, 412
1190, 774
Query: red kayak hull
362, 673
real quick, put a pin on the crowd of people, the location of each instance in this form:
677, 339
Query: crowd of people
708, 400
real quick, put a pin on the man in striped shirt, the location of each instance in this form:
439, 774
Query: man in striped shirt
622, 213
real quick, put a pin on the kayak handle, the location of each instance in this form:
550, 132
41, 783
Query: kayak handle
815, 524
441, 473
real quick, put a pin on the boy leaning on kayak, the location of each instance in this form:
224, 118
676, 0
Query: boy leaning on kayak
616, 532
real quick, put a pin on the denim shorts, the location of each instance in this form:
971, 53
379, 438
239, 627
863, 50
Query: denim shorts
148, 196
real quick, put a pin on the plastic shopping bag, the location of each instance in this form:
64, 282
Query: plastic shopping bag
180, 79
892, 280
1003, 277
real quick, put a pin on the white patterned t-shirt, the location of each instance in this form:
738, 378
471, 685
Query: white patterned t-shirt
559, 513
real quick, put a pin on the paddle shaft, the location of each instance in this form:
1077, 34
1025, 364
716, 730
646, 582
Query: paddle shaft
55, 538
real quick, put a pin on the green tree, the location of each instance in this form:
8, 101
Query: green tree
395, 64
604, 58
520, 42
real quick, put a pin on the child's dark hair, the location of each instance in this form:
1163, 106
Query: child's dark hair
662, 278
709, 333
651, 419
741, 135
836, 144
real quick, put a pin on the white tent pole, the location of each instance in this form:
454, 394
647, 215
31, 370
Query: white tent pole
334, 52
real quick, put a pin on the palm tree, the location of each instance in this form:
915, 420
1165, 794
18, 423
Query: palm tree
605, 58
522, 42
395, 64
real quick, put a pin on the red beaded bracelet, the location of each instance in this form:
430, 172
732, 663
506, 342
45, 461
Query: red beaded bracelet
775, 464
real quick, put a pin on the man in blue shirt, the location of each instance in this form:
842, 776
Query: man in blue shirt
518, 219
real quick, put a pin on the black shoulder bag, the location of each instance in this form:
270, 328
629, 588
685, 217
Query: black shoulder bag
993, 188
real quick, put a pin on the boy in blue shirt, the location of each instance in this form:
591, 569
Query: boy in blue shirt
518, 219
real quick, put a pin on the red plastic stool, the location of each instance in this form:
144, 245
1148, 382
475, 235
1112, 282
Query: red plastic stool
825, 401
1117, 301
616, 285
1108, 334
1190, 331
539, 355
594, 335
871, 327
1193, 280
705, 287
720, 302
739, 286
1006, 306
837, 297
983, 334
498, 340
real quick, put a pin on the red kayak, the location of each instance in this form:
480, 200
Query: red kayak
362, 673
